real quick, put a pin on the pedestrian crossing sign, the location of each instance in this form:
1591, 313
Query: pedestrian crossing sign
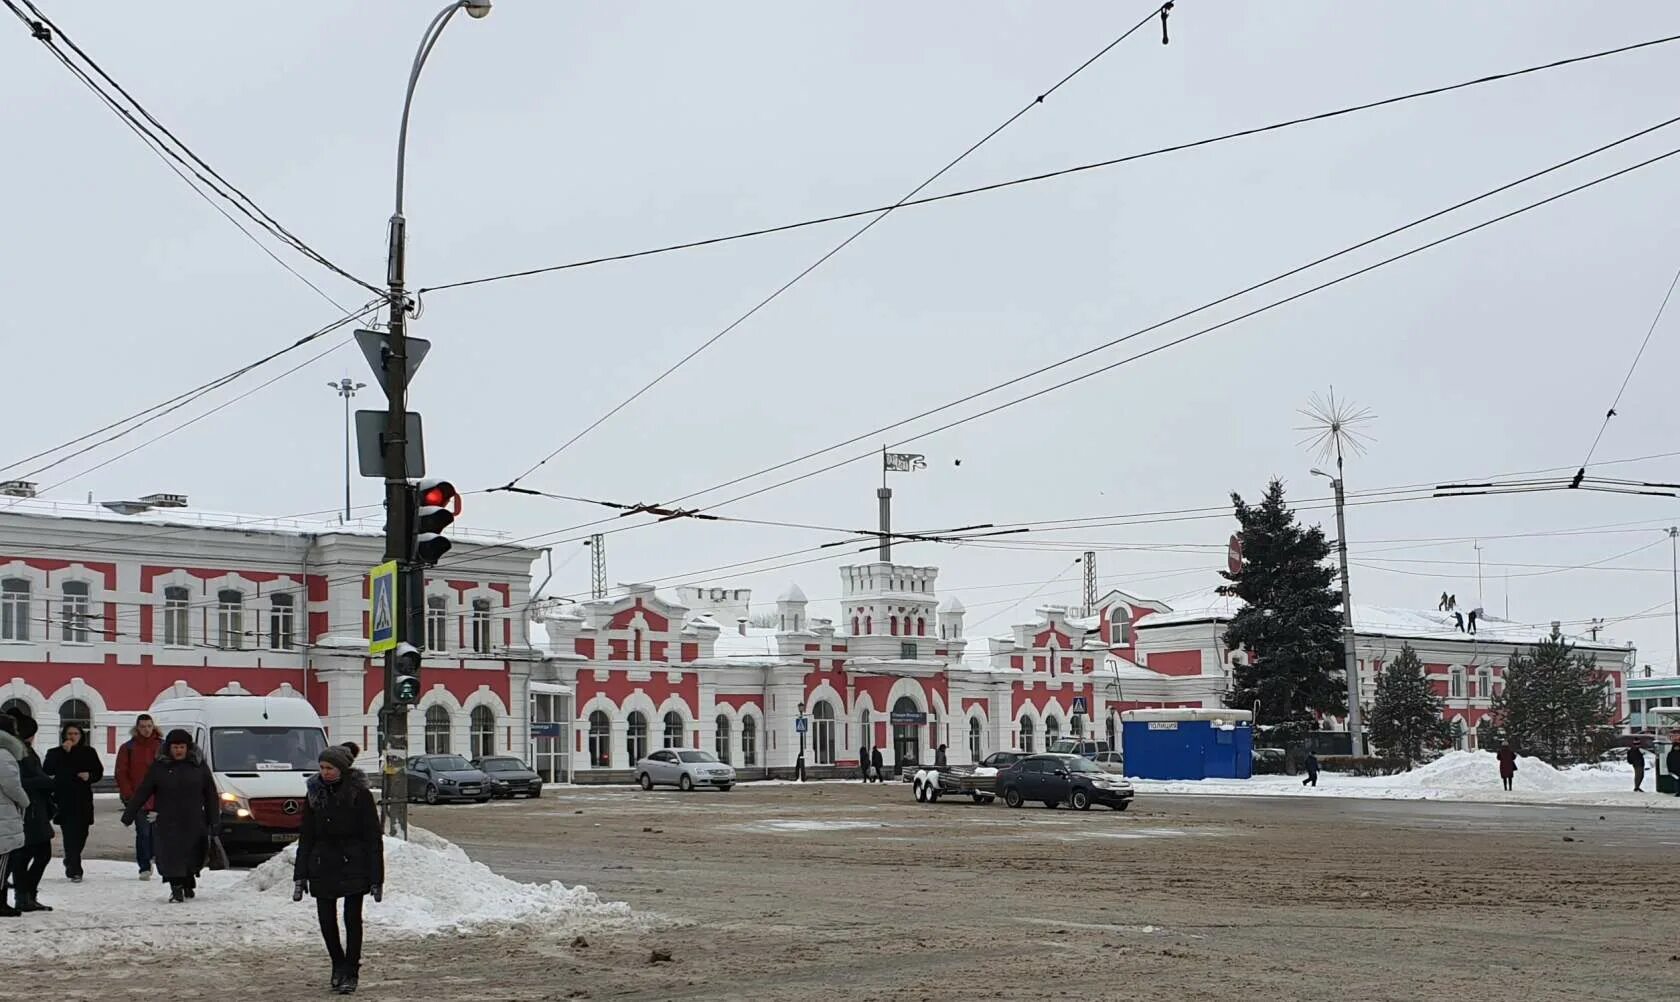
382, 608
1079, 705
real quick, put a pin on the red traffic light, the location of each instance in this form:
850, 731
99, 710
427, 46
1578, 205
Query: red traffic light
438, 493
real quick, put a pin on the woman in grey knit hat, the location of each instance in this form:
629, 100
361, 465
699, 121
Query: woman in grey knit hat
340, 855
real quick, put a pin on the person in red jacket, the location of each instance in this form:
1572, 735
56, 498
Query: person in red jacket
1507, 764
133, 759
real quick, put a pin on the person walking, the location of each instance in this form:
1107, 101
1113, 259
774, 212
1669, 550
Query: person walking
183, 795
134, 760
1636, 758
340, 855
25, 867
1507, 764
1312, 770
939, 757
1673, 763
14, 803
863, 762
74, 768
877, 763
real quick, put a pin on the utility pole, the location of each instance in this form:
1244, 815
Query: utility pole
1090, 582
1356, 724
347, 388
1477, 545
1674, 558
399, 533
884, 494
597, 565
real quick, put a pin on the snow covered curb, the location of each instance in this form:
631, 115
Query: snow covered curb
431, 887
1469, 777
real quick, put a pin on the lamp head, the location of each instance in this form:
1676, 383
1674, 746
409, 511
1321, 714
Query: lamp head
477, 8
1320, 473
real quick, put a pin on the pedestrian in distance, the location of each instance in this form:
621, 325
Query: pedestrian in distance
1636, 758
134, 760
863, 762
74, 768
340, 855
1312, 771
183, 796
1507, 764
877, 763
939, 758
25, 867
1673, 762
14, 802
1442, 607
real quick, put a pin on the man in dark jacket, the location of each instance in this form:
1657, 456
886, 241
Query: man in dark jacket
877, 762
1673, 762
1312, 771
863, 762
939, 758
26, 867
74, 768
1636, 758
134, 760
340, 854
187, 812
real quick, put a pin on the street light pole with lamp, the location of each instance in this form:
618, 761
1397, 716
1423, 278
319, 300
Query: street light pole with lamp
347, 388
399, 541
1356, 723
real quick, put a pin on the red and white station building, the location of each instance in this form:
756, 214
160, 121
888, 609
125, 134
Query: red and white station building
106, 608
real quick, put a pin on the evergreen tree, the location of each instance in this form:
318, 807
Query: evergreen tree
1406, 720
1555, 704
1290, 624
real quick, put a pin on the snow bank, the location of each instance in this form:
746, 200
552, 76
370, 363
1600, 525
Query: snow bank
1460, 776
431, 887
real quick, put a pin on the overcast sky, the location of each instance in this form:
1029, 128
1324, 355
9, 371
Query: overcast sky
551, 132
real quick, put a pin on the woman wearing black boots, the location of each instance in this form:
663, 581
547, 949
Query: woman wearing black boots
184, 795
340, 854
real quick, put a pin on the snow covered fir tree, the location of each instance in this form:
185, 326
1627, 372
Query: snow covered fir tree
1290, 621
1556, 705
1407, 719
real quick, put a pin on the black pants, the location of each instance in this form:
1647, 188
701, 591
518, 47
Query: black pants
1638, 779
1311, 780
25, 867
75, 840
349, 951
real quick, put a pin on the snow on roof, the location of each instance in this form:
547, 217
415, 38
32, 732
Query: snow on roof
952, 604
1385, 621
200, 519
793, 594
759, 642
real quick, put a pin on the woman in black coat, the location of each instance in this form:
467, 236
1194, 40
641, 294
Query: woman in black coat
26, 866
340, 854
74, 768
183, 792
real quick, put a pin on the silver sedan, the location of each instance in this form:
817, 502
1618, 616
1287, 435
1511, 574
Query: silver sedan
685, 769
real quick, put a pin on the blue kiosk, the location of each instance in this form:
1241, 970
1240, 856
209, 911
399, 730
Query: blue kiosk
1188, 743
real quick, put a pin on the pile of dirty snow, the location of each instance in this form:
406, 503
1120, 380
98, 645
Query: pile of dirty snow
431, 887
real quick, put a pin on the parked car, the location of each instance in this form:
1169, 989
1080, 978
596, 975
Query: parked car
1270, 761
439, 779
1076, 746
1053, 780
1111, 761
991, 764
685, 769
509, 776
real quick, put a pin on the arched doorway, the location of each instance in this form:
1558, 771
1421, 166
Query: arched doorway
907, 745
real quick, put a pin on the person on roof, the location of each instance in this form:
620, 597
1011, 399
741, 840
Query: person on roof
1474, 613
1443, 606
1458, 618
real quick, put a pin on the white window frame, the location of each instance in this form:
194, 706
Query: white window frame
665, 739
437, 622
432, 736
720, 739
480, 622
1455, 683
230, 614
749, 741
177, 618
976, 740
823, 733
74, 610
15, 607
481, 741
1484, 683
282, 611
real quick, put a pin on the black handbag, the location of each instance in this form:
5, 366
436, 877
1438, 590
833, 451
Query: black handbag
215, 857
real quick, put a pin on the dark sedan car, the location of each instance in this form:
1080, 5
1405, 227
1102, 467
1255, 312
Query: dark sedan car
1053, 780
438, 779
509, 776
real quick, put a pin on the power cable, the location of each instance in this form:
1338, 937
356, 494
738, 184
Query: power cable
842, 245
1605, 425
1048, 175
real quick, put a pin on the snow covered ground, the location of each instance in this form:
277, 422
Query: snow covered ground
431, 887
1460, 776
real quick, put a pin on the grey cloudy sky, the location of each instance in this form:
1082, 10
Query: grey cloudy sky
554, 131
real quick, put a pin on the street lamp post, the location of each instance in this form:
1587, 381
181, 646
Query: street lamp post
398, 531
1356, 724
347, 388
800, 725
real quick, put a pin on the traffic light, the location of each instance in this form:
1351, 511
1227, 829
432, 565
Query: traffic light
436, 503
405, 681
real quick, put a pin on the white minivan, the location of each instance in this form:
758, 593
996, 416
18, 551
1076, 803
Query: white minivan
262, 750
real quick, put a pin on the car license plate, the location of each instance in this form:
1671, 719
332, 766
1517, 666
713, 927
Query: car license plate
284, 838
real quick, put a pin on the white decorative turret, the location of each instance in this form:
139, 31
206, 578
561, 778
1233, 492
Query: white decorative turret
790, 609
951, 619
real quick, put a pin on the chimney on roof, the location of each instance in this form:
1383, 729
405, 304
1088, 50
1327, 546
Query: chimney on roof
741, 624
165, 500
18, 488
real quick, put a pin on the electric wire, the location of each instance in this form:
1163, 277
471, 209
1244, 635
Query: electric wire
1605, 425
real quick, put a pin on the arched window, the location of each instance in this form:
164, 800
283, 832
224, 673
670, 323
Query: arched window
437, 623
437, 730
854, 626
749, 741
907, 738
17, 706
483, 732
481, 626
1027, 735
176, 631
1077, 726
600, 740
673, 730
636, 736
73, 618
894, 625
869, 625
230, 619
1052, 731
14, 609
822, 732
921, 627
975, 751
76, 711
1119, 626
723, 739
